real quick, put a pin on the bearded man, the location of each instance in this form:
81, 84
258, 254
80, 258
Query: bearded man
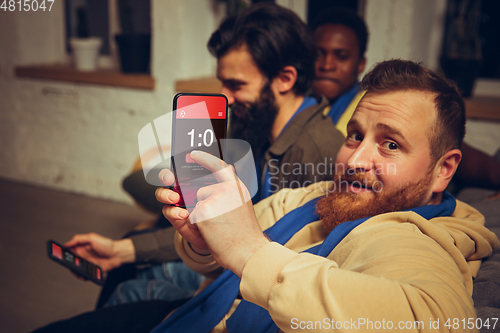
383, 246
265, 61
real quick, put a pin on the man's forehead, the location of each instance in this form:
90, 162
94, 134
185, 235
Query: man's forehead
338, 34
407, 108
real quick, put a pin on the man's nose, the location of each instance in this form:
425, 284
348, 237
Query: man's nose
229, 95
328, 63
362, 158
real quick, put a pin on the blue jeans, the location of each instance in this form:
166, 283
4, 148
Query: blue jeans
169, 281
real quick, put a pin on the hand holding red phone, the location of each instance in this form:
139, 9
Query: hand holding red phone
102, 251
223, 220
199, 122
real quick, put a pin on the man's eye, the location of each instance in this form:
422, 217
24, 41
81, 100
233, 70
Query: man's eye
355, 137
233, 86
342, 57
390, 145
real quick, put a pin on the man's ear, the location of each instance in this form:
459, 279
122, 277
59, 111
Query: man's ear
285, 80
445, 169
361, 65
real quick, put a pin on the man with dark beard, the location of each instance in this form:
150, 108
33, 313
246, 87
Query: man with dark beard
265, 61
381, 247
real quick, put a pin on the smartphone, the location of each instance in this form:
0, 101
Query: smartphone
80, 266
199, 122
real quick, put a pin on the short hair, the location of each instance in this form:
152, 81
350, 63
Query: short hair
402, 75
347, 17
275, 37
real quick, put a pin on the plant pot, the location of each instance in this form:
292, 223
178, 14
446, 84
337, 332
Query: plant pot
85, 52
463, 71
135, 52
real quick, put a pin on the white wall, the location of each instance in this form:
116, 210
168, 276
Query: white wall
406, 29
83, 138
413, 29
298, 6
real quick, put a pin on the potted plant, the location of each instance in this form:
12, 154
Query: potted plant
85, 48
461, 57
134, 45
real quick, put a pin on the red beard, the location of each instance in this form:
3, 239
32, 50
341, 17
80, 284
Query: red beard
341, 205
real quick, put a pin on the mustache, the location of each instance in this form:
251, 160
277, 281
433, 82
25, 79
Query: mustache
242, 111
238, 110
359, 179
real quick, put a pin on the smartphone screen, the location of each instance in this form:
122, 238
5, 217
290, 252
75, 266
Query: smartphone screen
199, 123
75, 263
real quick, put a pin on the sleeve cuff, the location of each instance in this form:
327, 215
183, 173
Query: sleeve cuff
144, 245
203, 264
155, 246
262, 270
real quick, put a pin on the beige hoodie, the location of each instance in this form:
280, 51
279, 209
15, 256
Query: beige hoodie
396, 271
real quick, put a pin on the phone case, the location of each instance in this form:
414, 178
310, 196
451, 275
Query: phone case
76, 269
198, 139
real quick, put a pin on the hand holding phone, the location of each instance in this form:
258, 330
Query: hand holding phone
199, 123
78, 265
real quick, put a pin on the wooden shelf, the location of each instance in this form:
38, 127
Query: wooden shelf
99, 77
208, 85
485, 108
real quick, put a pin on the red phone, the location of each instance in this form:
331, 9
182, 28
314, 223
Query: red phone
199, 123
80, 266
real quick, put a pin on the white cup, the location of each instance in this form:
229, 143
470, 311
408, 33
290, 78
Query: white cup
86, 52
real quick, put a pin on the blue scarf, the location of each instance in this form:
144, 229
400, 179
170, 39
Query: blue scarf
204, 311
341, 104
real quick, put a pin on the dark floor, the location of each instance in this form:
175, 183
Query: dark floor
35, 290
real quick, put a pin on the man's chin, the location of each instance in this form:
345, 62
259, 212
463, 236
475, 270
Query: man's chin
328, 88
339, 207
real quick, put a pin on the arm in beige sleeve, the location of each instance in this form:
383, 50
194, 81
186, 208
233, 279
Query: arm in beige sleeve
268, 211
389, 272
